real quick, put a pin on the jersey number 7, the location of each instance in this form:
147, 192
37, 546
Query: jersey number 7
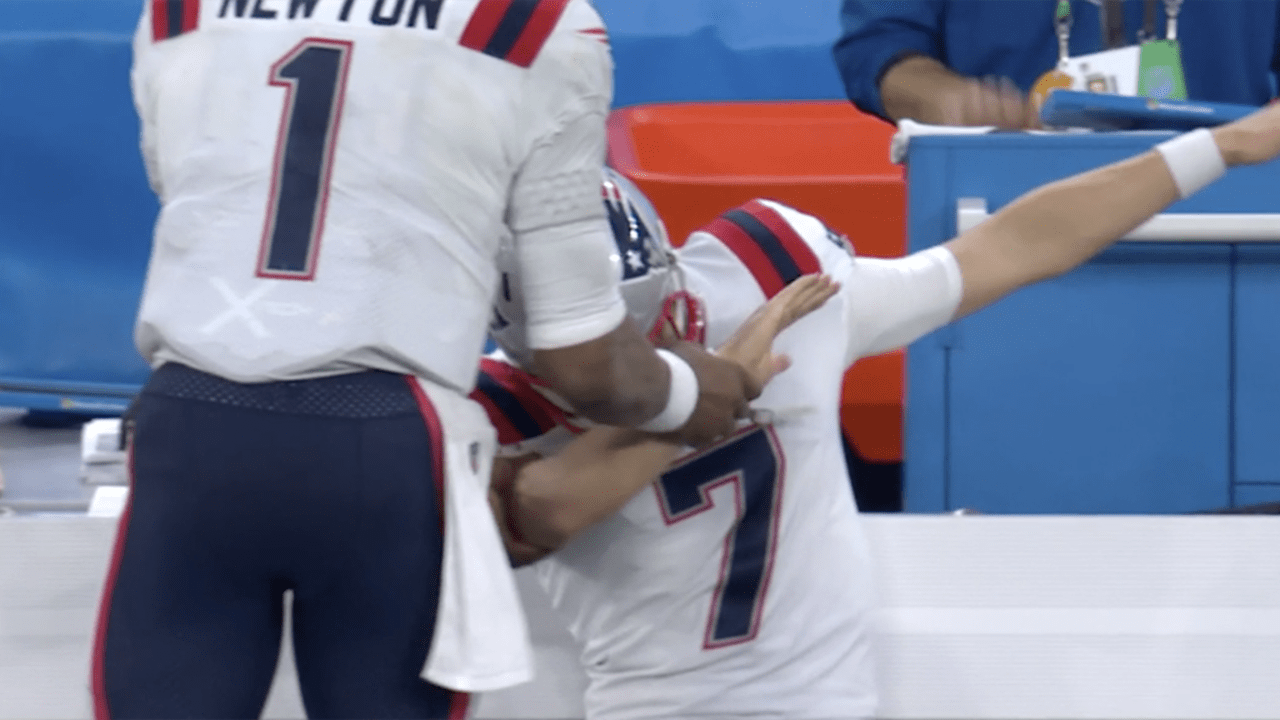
754, 466
314, 76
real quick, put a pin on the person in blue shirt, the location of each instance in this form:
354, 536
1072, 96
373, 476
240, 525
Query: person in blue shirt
972, 62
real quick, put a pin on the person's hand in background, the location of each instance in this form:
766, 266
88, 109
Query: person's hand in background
923, 89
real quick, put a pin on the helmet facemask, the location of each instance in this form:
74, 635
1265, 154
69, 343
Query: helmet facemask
653, 283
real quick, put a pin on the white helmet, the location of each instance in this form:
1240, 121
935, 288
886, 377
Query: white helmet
652, 283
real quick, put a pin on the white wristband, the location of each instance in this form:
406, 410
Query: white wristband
682, 396
1194, 160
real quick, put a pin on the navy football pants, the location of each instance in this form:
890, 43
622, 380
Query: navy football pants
324, 487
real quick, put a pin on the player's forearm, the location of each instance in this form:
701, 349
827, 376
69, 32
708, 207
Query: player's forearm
1055, 228
520, 551
616, 379
558, 497
576, 323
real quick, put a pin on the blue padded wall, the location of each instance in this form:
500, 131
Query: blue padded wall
75, 209
691, 50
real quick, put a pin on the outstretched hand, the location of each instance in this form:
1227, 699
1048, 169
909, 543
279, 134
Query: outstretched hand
1252, 139
736, 373
751, 345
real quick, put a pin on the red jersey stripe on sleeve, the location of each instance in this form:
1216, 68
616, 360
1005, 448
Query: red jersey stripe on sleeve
536, 32
484, 21
512, 30
598, 33
171, 18
737, 240
766, 244
190, 15
159, 20
796, 247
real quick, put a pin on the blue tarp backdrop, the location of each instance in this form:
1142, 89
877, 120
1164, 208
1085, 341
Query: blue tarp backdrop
76, 212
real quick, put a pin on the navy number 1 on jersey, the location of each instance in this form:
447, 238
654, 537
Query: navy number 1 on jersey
314, 76
752, 464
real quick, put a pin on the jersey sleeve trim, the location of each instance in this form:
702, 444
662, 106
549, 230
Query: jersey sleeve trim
766, 244
515, 408
171, 18
512, 30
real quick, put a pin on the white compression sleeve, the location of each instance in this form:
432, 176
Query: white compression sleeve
570, 277
891, 303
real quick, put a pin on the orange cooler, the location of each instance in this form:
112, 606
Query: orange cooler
695, 160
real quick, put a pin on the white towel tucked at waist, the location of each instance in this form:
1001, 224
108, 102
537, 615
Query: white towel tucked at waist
481, 640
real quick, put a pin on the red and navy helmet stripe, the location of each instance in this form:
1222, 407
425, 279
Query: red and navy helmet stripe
514, 407
766, 243
512, 30
171, 18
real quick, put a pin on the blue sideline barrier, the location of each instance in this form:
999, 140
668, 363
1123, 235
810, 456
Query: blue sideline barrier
699, 50
1143, 382
75, 209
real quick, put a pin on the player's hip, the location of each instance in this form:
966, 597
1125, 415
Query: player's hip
304, 458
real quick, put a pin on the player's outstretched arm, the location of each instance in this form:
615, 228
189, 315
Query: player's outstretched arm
541, 503
1055, 228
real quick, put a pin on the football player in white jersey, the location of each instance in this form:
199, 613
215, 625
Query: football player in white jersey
335, 178
734, 583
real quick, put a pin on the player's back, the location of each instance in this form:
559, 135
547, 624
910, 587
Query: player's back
738, 584
335, 175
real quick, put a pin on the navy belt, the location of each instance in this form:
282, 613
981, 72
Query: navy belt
359, 395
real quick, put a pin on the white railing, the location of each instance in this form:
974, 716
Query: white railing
1167, 227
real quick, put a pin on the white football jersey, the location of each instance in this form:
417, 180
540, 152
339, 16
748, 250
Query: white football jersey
336, 175
737, 585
